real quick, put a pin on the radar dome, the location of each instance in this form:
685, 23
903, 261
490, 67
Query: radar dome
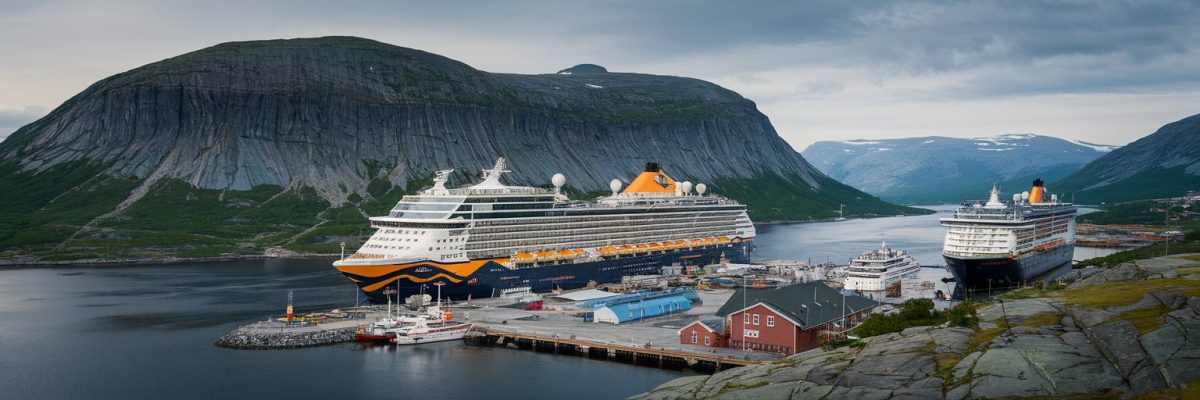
615, 185
701, 188
1025, 195
1016, 197
558, 180
687, 187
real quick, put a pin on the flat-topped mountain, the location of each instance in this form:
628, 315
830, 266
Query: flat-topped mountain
1164, 164
295, 141
944, 169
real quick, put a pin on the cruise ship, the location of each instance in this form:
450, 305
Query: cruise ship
877, 269
997, 244
488, 238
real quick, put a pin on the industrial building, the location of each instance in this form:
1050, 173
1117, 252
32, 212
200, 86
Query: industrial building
636, 310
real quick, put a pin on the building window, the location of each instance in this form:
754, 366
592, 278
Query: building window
756, 319
694, 337
745, 318
707, 340
770, 320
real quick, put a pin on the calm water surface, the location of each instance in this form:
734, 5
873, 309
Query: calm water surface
147, 331
118, 332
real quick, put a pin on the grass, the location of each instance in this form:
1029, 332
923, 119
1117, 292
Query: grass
984, 336
1146, 320
1125, 293
729, 387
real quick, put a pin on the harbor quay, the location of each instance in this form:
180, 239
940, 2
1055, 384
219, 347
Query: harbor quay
557, 327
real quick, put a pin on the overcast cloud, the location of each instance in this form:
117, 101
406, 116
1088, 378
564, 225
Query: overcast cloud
1107, 72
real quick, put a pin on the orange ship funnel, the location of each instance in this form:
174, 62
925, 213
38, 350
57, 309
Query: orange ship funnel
652, 180
1038, 192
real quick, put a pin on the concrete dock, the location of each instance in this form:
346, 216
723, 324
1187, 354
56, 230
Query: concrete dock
557, 328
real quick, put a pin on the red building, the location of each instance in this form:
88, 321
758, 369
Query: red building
786, 320
710, 332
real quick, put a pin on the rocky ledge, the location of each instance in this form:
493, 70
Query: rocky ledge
1133, 330
260, 339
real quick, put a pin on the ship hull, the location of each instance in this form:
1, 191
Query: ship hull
975, 275
486, 278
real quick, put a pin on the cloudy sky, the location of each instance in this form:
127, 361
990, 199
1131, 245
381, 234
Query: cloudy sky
1107, 72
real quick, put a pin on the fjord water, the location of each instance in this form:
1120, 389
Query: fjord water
147, 331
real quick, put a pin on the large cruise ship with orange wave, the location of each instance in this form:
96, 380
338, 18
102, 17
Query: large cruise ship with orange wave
490, 237
996, 244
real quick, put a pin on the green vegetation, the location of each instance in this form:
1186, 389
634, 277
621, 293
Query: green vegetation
1146, 320
1145, 212
918, 312
774, 198
40, 213
1154, 183
1124, 293
1189, 244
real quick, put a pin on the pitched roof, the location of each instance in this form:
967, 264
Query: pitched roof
712, 324
811, 303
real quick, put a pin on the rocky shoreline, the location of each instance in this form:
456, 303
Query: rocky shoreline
259, 339
1133, 330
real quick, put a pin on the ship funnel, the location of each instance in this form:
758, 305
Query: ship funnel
1038, 192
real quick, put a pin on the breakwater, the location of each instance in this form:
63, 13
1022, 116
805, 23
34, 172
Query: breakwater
262, 337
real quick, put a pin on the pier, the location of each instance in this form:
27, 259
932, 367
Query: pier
647, 356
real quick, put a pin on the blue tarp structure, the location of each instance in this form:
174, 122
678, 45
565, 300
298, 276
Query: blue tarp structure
633, 311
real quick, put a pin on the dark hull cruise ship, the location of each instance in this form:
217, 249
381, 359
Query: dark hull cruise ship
490, 238
995, 244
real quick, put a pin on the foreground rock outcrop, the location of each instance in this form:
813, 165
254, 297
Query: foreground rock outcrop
1130, 331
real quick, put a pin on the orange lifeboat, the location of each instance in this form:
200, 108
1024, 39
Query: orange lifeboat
642, 248
608, 251
628, 249
723, 240
523, 257
697, 242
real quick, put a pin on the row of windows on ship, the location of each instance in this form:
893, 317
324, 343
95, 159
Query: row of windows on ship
643, 231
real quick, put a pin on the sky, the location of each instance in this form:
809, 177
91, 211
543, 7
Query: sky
1105, 72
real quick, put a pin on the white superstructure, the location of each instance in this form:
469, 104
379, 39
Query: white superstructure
995, 229
528, 225
877, 269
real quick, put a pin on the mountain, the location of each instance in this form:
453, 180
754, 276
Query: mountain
248, 145
943, 169
1164, 164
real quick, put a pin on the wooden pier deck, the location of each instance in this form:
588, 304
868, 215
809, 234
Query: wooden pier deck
649, 356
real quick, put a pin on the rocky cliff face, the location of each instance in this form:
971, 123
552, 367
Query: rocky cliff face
1164, 164
335, 122
311, 112
944, 169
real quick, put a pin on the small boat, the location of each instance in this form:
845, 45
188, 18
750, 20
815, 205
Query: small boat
384, 330
423, 331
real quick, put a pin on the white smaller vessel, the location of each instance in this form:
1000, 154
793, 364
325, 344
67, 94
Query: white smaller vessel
877, 269
424, 330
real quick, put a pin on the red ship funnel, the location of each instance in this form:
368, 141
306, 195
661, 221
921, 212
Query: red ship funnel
1037, 193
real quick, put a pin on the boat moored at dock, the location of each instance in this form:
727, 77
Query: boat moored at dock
488, 237
997, 244
877, 269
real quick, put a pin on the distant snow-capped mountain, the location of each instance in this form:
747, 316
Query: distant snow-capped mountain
938, 169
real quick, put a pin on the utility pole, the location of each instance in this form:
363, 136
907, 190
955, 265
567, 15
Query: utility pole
745, 315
